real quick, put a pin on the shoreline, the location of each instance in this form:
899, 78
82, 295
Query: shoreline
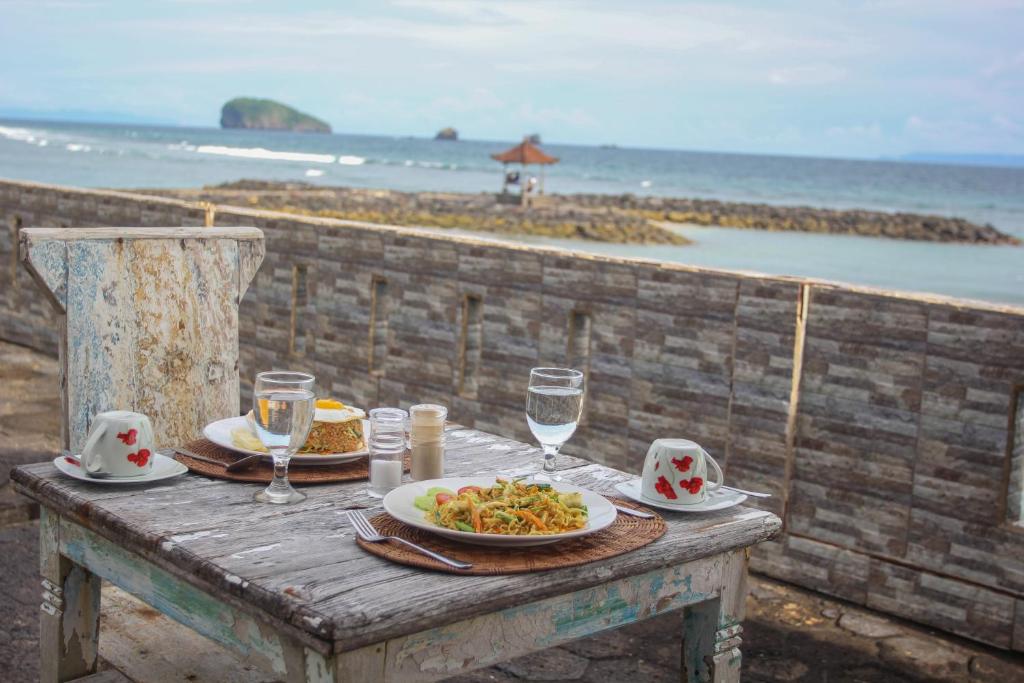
624, 219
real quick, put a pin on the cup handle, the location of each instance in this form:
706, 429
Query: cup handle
718, 472
93, 465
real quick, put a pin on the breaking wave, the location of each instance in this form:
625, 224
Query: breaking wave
262, 153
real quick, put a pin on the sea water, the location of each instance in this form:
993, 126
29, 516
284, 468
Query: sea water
129, 156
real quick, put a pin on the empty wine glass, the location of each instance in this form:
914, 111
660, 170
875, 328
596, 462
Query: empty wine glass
283, 408
554, 403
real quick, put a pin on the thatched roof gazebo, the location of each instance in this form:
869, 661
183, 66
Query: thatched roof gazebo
525, 153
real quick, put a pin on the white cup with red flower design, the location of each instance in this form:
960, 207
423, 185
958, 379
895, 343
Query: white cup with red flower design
120, 444
676, 472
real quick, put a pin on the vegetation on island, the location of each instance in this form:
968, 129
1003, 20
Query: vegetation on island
447, 134
259, 114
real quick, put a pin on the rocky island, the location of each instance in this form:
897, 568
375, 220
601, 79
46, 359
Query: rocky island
447, 134
258, 114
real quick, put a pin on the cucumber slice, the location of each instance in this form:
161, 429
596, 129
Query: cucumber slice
425, 503
434, 490
463, 526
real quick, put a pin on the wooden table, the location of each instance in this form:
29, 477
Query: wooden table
288, 588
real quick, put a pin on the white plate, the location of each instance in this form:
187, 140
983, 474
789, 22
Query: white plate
219, 432
717, 500
163, 468
399, 504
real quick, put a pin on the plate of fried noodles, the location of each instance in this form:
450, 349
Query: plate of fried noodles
500, 511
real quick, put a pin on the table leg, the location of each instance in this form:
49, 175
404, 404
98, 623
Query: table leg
711, 629
70, 611
365, 665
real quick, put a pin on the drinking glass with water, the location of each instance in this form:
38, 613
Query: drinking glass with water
554, 403
283, 409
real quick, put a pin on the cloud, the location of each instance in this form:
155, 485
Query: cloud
1003, 122
574, 116
480, 99
808, 74
858, 131
1004, 65
729, 75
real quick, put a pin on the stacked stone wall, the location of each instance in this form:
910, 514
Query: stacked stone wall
888, 427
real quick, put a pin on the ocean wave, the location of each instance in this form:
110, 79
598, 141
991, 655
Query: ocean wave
262, 153
351, 160
313, 173
439, 165
77, 147
32, 137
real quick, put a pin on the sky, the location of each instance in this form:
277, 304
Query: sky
809, 77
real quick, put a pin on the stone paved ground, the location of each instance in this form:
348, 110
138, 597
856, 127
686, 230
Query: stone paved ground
790, 634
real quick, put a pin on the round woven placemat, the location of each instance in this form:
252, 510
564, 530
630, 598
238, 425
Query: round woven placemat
263, 472
625, 534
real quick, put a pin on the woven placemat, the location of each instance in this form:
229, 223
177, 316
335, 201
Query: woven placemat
264, 471
625, 534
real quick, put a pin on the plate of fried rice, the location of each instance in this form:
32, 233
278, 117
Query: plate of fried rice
500, 511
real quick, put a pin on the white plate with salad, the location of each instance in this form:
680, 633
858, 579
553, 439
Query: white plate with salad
496, 511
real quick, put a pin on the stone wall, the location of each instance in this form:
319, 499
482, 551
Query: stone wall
884, 424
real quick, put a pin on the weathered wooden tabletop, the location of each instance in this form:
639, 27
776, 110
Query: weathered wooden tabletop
299, 567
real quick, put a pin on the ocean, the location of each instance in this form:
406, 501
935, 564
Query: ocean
133, 156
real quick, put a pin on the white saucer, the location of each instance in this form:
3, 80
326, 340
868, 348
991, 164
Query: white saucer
163, 468
717, 500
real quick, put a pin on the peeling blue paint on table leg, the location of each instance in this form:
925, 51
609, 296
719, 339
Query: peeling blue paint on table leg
482, 641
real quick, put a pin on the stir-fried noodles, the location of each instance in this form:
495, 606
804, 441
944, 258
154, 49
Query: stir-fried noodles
509, 508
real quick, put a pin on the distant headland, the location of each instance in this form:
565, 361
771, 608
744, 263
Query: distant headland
250, 112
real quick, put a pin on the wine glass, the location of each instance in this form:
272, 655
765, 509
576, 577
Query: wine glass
283, 408
554, 403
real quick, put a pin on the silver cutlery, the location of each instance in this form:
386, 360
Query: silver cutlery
752, 494
369, 534
244, 463
635, 513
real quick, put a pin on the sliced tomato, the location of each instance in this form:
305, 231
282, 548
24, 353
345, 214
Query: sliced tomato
467, 489
442, 498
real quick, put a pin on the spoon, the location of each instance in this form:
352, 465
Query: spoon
752, 494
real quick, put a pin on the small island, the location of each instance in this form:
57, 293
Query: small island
259, 114
447, 134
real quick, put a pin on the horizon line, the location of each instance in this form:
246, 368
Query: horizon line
975, 159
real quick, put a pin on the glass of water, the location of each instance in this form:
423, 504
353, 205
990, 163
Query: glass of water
554, 403
283, 408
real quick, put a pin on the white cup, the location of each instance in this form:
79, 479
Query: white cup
120, 444
676, 472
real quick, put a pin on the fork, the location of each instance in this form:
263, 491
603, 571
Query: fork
369, 534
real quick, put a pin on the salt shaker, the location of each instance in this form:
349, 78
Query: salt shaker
387, 449
426, 441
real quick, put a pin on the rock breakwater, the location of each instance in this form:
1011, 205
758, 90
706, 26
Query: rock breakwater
480, 212
606, 218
